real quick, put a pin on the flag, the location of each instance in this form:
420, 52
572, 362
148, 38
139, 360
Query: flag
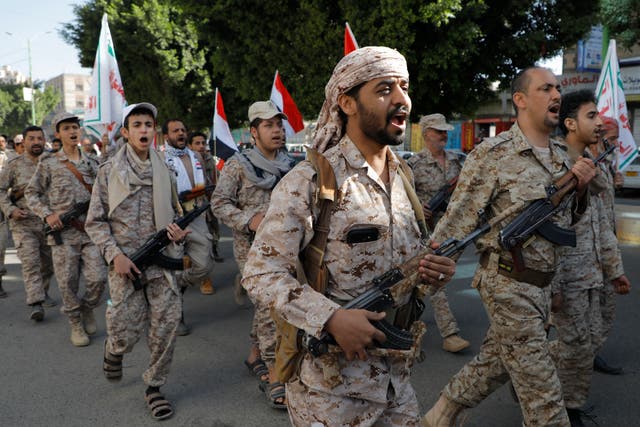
350, 43
280, 96
611, 103
103, 112
225, 146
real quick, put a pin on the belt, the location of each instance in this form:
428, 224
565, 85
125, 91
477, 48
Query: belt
505, 267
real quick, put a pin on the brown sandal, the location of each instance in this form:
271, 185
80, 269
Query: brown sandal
276, 395
112, 365
160, 407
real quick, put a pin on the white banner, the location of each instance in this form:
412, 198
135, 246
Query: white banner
611, 103
106, 99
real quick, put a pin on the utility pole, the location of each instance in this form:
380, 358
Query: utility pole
33, 92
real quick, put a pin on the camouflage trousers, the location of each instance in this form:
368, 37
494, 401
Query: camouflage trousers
198, 247
263, 329
515, 348
307, 407
71, 260
578, 323
607, 297
157, 309
4, 242
35, 257
445, 319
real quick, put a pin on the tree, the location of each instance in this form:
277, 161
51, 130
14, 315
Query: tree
622, 18
174, 52
15, 113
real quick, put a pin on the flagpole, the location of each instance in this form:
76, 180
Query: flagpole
213, 124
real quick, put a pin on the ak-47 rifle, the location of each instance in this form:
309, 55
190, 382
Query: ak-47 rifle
187, 195
389, 287
150, 252
66, 219
440, 200
536, 218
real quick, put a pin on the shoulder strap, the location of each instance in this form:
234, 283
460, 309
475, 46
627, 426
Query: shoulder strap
75, 172
313, 254
404, 172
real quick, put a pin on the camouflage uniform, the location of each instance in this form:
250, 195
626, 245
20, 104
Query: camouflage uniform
429, 177
503, 171
28, 233
54, 188
158, 307
4, 224
212, 173
234, 202
580, 279
199, 241
330, 389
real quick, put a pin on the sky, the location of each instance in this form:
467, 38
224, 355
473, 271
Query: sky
40, 21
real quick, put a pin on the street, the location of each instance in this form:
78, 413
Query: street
44, 380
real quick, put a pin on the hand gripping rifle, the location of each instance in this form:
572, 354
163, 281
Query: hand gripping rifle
389, 287
440, 200
150, 252
536, 218
66, 219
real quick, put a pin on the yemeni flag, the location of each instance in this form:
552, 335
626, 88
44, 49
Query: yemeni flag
280, 96
106, 100
225, 146
612, 103
350, 43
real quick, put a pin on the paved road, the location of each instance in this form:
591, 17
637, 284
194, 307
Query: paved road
44, 380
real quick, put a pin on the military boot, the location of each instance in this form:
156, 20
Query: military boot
89, 321
575, 417
454, 343
79, 337
443, 413
37, 312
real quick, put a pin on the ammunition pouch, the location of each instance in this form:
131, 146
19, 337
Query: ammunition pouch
505, 267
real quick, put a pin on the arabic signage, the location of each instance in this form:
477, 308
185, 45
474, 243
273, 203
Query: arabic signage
589, 51
630, 80
576, 81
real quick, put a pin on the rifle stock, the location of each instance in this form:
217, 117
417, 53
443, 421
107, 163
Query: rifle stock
66, 218
185, 196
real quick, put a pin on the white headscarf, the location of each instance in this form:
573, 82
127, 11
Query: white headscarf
358, 67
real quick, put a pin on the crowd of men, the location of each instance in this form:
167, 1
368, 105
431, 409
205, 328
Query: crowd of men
310, 239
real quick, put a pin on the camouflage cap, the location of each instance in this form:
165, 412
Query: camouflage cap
64, 117
264, 110
435, 121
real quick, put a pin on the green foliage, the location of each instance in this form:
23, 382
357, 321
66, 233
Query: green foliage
174, 53
15, 113
622, 18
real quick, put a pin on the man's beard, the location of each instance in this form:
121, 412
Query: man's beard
370, 127
36, 151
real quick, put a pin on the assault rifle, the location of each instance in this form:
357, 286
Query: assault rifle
440, 200
187, 195
66, 219
392, 285
150, 252
536, 218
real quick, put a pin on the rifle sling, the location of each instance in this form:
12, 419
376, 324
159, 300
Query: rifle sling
75, 172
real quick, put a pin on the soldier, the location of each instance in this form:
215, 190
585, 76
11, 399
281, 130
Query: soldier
197, 141
132, 200
372, 228
26, 227
187, 166
433, 168
579, 279
513, 168
4, 225
63, 181
614, 180
240, 201
56, 145
88, 148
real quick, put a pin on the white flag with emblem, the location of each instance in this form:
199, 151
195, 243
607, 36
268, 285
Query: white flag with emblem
611, 103
103, 111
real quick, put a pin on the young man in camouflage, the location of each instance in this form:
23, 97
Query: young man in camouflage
26, 227
581, 275
188, 169
4, 225
433, 168
134, 197
240, 201
61, 181
510, 170
358, 383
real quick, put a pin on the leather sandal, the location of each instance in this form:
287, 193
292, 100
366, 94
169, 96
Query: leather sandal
259, 369
112, 365
276, 395
160, 407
